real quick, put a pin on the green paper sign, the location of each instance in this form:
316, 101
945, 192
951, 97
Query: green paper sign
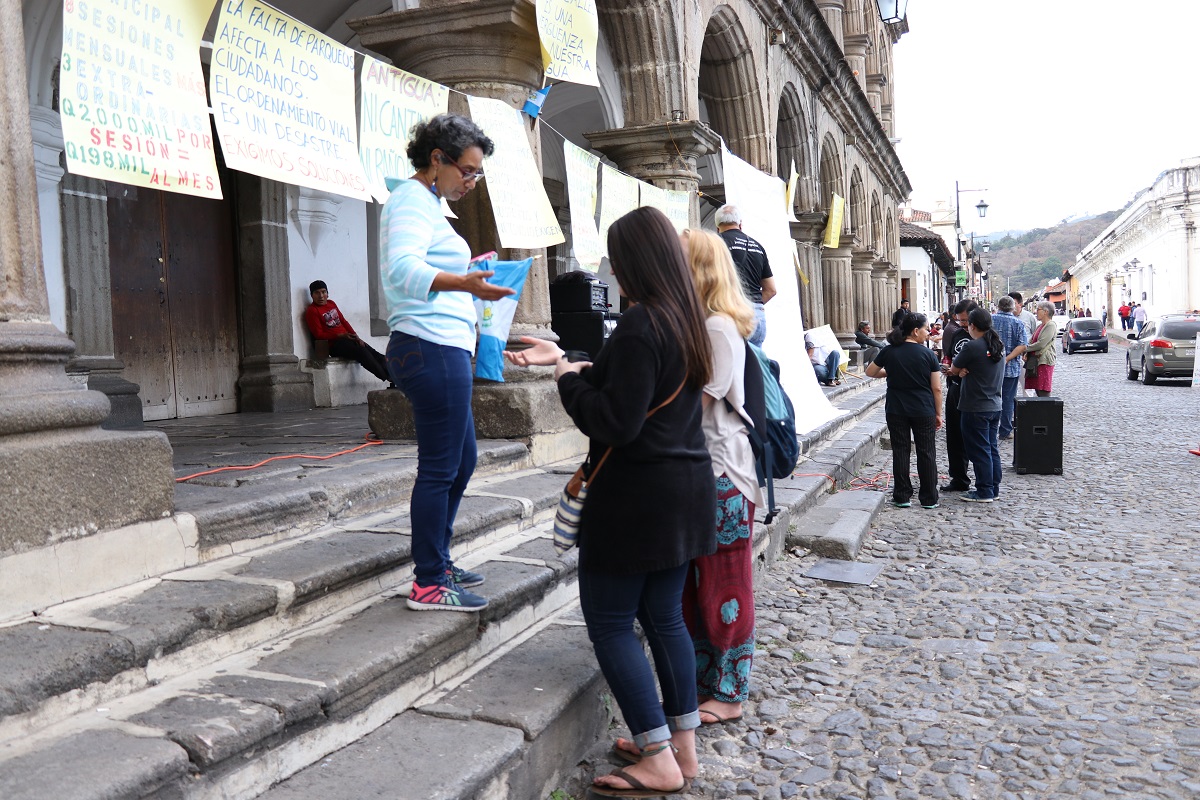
960, 277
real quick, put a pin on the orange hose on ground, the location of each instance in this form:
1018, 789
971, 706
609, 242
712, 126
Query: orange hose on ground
277, 458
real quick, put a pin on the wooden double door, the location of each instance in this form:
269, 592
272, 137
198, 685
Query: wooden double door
174, 299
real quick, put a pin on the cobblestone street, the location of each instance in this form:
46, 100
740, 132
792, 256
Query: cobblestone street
1041, 647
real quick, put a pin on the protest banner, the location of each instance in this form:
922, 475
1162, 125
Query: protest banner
679, 209
568, 31
524, 217
651, 195
131, 95
392, 102
581, 195
618, 196
283, 99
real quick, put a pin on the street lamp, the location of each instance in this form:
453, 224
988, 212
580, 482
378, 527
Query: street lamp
982, 208
892, 11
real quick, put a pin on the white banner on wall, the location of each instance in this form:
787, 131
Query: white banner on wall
283, 100
581, 195
761, 199
524, 217
679, 208
392, 103
618, 196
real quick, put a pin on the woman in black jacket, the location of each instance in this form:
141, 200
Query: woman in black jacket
649, 511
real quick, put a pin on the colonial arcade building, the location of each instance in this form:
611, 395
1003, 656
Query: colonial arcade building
178, 305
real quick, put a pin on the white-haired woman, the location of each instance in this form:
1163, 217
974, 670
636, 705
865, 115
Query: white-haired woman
1039, 353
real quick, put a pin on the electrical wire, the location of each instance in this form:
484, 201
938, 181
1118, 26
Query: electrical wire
369, 443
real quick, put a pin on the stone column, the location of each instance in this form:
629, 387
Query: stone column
839, 292
881, 319
64, 477
861, 262
807, 234
875, 82
833, 11
486, 48
662, 154
270, 378
856, 57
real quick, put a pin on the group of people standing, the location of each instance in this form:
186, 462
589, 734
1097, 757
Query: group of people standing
983, 358
1133, 316
666, 533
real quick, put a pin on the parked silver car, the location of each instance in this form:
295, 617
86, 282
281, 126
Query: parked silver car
1166, 348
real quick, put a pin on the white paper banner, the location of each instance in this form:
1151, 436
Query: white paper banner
651, 195
524, 217
679, 206
132, 102
618, 196
581, 194
760, 198
393, 102
283, 100
568, 31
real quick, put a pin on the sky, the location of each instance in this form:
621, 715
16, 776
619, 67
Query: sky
1057, 108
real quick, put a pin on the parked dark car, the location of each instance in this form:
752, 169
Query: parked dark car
1084, 333
1166, 348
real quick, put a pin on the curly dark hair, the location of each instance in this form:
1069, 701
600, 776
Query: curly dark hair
450, 133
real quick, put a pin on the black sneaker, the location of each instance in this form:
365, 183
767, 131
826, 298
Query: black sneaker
463, 578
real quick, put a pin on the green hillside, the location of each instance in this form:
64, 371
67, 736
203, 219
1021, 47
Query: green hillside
1038, 256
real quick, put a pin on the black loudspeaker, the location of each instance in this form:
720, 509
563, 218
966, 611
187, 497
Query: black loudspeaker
1038, 436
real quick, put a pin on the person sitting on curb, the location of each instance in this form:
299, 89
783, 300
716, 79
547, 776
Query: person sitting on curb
827, 370
325, 322
871, 347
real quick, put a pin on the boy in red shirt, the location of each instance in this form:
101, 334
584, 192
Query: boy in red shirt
325, 321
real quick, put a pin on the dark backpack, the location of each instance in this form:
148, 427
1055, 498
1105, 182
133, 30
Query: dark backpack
773, 437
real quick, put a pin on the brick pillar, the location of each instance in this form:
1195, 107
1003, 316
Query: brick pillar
64, 476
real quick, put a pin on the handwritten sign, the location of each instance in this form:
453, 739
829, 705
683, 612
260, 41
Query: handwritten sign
833, 226
568, 30
679, 209
132, 98
393, 102
618, 196
651, 195
581, 194
524, 217
283, 98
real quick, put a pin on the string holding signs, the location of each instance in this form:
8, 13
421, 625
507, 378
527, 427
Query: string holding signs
581, 196
283, 98
569, 30
524, 217
137, 113
393, 102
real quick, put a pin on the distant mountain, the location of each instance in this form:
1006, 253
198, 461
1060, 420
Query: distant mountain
1033, 258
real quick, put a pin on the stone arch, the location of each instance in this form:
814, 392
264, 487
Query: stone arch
832, 178
43, 48
858, 207
877, 235
728, 86
646, 45
791, 145
890, 233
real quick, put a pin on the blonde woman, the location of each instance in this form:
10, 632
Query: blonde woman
718, 599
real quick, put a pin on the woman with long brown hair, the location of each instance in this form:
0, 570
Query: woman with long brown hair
649, 512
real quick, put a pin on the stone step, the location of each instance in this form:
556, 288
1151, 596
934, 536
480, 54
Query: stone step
84, 653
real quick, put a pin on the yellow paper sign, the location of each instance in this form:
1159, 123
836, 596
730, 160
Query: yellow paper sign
393, 102
524, 217
581, 195
568, 30
618, 196
283, 98
132, 98
679, 209
833, 227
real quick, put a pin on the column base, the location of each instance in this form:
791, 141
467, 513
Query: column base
274, 383
126, 413
68, 484
525, 410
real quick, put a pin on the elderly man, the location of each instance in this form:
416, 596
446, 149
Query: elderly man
758, 282
1012, 332
871, 347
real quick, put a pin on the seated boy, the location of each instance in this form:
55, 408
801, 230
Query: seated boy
325, 321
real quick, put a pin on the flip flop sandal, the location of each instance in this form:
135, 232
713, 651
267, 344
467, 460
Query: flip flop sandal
638, 789
718, 719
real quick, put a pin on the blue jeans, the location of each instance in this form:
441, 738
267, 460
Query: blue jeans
981, 441
1009, 405
828, 372
760, 325
610, 603
437, 380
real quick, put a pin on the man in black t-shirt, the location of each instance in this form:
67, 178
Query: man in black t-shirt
954, 339
753, 267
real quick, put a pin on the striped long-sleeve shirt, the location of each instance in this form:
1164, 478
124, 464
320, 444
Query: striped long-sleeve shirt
415, 244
